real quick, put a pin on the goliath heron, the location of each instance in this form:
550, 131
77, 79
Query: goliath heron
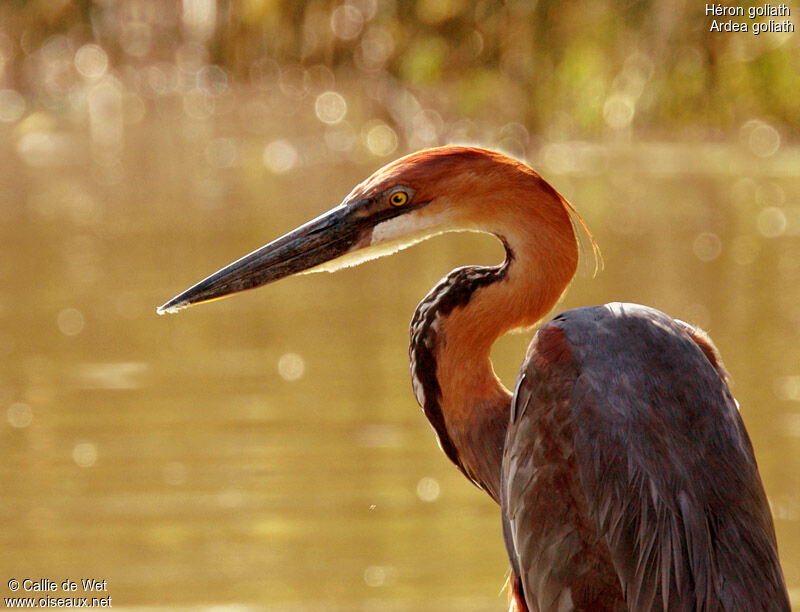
624, 473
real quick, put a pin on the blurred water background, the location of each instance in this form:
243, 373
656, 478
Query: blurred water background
266, 452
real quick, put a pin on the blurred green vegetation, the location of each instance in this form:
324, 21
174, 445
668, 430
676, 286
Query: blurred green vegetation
563, 69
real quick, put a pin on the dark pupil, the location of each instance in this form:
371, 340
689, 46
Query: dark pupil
397, 198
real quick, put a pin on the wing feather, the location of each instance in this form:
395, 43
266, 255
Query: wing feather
653, 411
628, 477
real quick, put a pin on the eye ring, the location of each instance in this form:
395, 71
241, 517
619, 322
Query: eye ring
398, 198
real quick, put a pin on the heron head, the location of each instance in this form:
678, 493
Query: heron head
412, 198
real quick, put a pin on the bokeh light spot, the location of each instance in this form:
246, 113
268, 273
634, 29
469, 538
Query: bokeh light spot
381, 140
84, 454
761, 138
347, 21
12, 105
379, 575
618, 111
291, 366
771, 222
330, 107
428, 489
91, 61
43, 148
377, 46
707, 246
280, 156
70, 321
19, 415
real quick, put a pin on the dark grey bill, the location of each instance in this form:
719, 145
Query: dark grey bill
322, 239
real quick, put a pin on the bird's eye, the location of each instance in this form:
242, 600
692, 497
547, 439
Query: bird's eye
398, 198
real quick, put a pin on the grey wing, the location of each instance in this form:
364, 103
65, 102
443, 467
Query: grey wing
667, 478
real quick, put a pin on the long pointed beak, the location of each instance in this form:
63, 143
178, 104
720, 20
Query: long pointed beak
328, 236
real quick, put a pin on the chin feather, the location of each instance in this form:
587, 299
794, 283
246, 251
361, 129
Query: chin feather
388, 238
373, 251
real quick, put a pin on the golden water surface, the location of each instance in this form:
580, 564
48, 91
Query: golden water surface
266, 451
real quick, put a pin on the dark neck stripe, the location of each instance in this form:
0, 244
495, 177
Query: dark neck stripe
454, 291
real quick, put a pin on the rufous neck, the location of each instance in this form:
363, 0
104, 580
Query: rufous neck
474, 403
